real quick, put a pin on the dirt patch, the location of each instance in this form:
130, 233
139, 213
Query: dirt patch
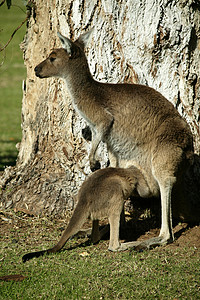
190, 237
185, 236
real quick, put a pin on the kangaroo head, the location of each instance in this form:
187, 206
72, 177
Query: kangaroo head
61, 60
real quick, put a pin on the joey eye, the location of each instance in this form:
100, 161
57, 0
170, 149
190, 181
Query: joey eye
52, 59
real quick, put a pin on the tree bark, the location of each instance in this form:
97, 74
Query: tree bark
150, 42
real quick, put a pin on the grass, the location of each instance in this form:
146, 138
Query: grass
12, 73
91, 271
105, 276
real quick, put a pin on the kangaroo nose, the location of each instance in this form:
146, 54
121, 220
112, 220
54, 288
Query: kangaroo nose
37, 70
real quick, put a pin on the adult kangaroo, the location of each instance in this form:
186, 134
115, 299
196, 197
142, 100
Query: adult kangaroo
139, 125
102, 195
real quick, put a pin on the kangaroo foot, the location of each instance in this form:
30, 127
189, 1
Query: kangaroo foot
153, 242
144, 245
83, 233
128, 245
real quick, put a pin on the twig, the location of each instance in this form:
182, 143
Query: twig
1, 49
2, 2
13, 5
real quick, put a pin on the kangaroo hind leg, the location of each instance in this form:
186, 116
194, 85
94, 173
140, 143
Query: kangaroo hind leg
166, 232
167, 165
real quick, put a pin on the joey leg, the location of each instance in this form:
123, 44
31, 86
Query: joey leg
95, 235
114, 243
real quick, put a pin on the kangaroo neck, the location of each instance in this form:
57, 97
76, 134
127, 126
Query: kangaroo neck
79, 80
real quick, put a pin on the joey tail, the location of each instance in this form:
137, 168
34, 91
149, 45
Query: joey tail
31, 255
78, 218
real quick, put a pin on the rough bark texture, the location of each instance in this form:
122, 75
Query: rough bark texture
155, 43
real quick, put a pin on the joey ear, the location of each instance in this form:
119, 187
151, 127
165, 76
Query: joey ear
66, 43
85, 38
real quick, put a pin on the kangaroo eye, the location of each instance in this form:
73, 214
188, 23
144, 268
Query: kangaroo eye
52, 59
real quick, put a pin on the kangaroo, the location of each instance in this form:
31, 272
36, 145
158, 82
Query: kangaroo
139, 125
102, 195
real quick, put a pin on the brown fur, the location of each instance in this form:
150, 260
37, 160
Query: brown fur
139, 125
101, 195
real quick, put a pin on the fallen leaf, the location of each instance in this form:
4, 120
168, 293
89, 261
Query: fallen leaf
23, 210
16, 277
84, 254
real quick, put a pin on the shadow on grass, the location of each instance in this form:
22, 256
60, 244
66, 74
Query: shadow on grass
8, 154
128, 234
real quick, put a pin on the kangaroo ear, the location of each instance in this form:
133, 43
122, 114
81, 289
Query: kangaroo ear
85, 38
66, 43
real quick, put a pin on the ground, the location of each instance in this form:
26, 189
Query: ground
19, 228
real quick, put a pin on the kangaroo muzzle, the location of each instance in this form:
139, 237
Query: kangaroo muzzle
38, 70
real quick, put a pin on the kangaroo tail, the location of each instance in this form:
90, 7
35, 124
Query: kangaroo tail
77, 220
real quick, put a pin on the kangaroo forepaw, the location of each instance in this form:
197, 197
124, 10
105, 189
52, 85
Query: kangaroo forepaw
95, 166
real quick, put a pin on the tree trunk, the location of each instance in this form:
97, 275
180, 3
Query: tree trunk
150, 42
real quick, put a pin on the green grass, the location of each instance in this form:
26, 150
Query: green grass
12, 73
102, 275
163, 273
